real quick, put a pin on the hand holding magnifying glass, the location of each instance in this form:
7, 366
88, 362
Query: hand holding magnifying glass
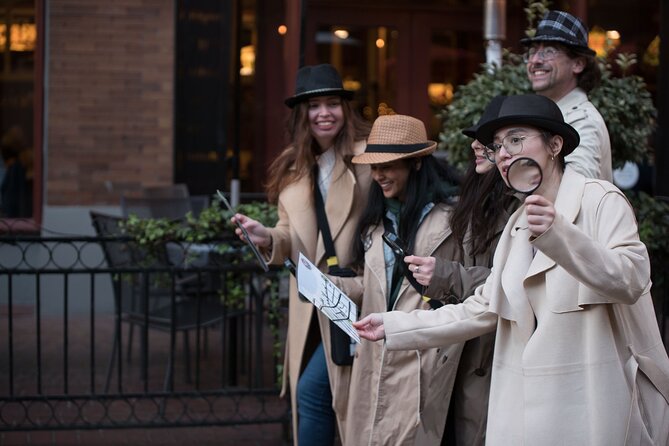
525, 176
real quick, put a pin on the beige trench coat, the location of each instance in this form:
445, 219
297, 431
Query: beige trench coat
402, 398
592, 157
471, 390
297, 231
578, 355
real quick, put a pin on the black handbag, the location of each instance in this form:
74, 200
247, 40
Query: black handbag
342, 347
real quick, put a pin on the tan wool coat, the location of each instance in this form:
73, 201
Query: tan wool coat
592, 157
578, 355
402, 397
297, 231
471, 391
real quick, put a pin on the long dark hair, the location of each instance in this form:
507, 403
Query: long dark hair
591, 76
427, 184
484, 199
298, 159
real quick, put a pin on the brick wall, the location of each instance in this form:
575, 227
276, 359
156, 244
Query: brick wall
109, 98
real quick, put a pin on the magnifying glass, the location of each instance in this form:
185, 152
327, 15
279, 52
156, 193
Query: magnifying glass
524, 175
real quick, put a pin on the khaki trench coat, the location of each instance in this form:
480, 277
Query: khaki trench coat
471, 390
592, 157
578, 355
297, 231
402, 398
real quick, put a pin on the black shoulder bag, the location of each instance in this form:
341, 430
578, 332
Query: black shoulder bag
342, 347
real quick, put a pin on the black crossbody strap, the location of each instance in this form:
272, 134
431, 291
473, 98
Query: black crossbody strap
323, 224
433, 303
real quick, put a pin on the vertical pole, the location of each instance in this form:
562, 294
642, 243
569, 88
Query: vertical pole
291, 43
303, 32
237, 89
494, 29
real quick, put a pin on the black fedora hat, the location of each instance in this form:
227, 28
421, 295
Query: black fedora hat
534, 110
317, 80
564, 28
489, 113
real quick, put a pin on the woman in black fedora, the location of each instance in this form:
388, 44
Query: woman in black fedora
483, 208
578, 355
326, 133
403, 397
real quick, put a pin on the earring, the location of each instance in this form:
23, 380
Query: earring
552, 157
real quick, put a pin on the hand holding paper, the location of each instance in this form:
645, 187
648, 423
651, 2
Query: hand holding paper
330, 300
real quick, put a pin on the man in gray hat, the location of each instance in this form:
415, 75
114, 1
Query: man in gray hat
561, 67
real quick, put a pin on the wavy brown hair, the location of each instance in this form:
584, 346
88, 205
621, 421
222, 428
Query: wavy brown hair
591, 75
299, 158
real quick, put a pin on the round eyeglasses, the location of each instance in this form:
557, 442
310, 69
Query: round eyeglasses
547, 53
513, 144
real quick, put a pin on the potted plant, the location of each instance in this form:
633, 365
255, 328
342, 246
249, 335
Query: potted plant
625, 104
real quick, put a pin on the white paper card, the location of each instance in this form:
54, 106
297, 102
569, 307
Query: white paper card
330, 300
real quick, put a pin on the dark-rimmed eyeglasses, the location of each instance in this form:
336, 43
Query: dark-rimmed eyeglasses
547, 53
513, 144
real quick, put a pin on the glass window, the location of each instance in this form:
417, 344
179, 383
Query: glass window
366, 59
18, 37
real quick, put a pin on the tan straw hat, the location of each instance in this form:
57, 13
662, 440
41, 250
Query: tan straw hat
395, 137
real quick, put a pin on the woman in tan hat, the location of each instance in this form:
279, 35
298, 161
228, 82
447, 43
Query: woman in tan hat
325, 133
578, 355
403, 397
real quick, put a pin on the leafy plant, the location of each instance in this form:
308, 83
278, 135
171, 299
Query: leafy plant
623, 101
627, 108
470, 99
213, 226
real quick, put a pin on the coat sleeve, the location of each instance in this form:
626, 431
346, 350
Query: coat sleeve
449, 324
281, 245
451, 278
610, 259
587, 157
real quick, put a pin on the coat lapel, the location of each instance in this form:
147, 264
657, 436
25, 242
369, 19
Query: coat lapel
567, 204
520, 256
376, 261
298, 200
338, 203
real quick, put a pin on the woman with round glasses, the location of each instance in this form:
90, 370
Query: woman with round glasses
578, 355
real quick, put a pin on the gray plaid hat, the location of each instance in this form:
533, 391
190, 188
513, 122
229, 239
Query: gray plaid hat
564, 28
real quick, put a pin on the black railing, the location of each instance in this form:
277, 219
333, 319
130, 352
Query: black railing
189, 336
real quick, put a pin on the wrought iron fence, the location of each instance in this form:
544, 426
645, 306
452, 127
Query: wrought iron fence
97, 339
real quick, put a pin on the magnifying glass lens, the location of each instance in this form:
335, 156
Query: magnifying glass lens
524, 175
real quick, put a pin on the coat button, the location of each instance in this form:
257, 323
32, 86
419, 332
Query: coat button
479, 372
444, 359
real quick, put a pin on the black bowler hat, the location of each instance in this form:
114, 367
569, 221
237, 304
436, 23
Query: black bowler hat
530, 109
564, 28
489, 113
317, 80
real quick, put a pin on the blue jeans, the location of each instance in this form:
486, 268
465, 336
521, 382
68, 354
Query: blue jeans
316, 420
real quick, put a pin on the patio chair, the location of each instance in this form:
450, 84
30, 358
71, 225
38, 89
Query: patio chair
142, 301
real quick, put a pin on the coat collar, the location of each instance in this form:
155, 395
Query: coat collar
297, 199
516, 262
572, 99
567, 204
